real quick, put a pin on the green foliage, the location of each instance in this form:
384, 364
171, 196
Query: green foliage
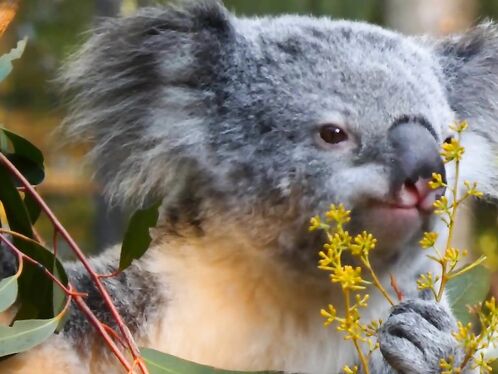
468, 289
8, 292
137, 237
24, 335
24, 155
6, 59
162, 363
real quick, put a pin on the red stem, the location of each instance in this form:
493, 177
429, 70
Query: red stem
72, 244
77, 298
98, 325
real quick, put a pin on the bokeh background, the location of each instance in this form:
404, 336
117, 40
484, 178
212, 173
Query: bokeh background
31, 106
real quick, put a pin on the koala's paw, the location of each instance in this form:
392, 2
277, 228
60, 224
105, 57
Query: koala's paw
417, 335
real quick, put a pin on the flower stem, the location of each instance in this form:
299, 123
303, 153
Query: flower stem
376, 281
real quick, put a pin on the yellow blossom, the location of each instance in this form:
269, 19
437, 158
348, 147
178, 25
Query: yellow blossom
427, 281
483, 364
329, 314
452, 256
315, 223
338, 214
429, 240
437, 181
472, 189
460, 127
339, 241
441, 206
452, 151
362, 301
447, 366
363, 244
348, 277
347, 370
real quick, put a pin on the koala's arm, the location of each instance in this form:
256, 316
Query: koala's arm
415, 337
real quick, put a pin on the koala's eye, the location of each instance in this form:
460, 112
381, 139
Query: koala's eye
448, 139
333, 134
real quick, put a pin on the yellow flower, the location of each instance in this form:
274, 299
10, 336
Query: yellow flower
338, 214
452, 256
339, 241
483, 364
472, 189
460, 127
437, 181
315, 223
348, 277
491, 306
362, 301
347, 370
465, 336
426, 281
329, 314
364, 243
447, 367
452, 151
441, 206
429, 240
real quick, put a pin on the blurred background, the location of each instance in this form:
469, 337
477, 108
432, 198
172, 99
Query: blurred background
30, 105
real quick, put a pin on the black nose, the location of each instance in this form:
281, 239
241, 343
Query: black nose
416, 154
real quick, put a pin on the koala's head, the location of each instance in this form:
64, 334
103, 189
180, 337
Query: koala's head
261, 123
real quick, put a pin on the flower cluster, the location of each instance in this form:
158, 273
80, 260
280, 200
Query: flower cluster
449, 260
350, 278
354, 285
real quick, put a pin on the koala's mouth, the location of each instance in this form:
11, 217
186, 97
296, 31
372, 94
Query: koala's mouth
416, 196
402, 217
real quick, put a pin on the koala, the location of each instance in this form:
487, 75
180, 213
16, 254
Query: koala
243, 128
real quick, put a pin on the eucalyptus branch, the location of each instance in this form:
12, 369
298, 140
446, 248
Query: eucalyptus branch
71, 293
29, 189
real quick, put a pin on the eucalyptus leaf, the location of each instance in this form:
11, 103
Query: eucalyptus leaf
39, 296
24, 335
8, 292
15, 210
6, 59
27, 158
470, 288
33, 208
162, 363
137, 236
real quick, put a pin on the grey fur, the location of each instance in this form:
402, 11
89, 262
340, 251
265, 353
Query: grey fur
217, 116
134, 293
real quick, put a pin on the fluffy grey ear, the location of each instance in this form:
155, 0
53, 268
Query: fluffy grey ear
470, 73
139, 94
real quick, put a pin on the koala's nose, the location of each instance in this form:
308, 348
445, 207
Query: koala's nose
416, 155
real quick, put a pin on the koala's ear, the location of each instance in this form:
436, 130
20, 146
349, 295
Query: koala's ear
138, 93
470, 74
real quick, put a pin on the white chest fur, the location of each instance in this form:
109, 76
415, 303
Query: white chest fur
232, 310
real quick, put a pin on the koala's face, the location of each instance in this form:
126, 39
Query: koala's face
262, 123
314, 112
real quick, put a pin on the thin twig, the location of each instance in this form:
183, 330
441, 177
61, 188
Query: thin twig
76, 296
79, 253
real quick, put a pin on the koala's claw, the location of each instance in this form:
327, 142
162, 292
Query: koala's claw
417, 335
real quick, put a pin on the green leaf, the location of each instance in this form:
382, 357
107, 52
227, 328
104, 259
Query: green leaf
137, 236
469, 288
17, 214
162, 363
39, 297
6, 59
33, 208
8, 292
46, 299
27, 158
24, 335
